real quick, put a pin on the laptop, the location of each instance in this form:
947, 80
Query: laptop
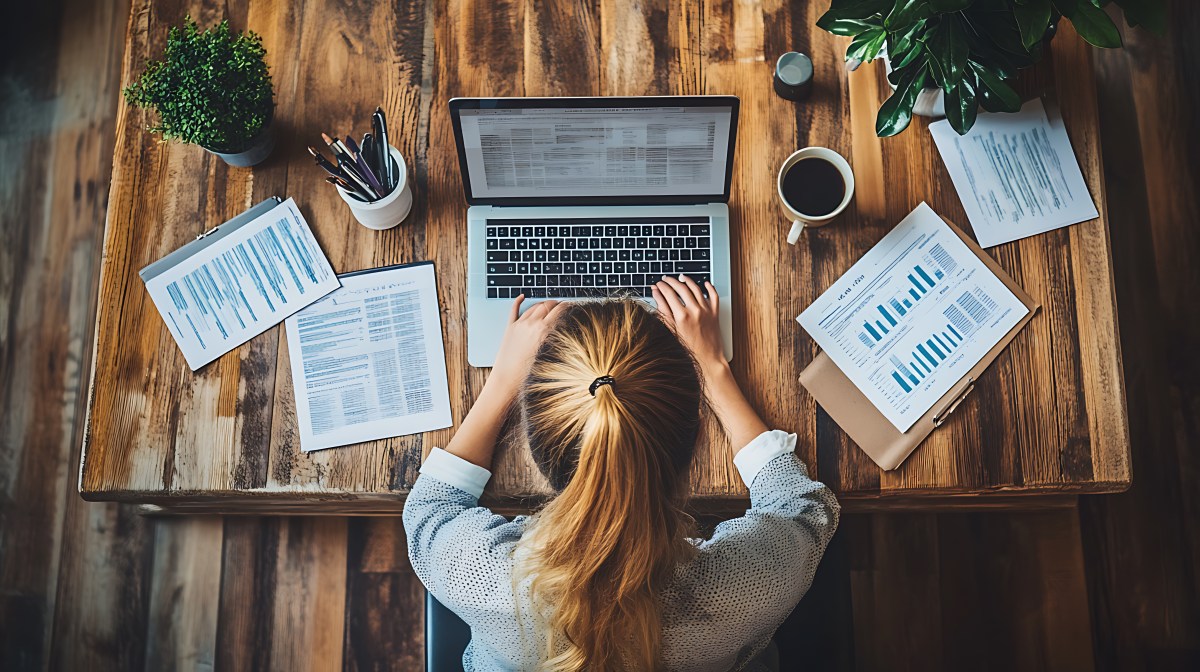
580, 198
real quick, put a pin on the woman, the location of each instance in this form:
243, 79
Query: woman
605, 576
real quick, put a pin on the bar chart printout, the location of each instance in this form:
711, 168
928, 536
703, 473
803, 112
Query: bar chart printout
912, 317
242, 285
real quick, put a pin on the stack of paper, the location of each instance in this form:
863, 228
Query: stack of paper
1015, 173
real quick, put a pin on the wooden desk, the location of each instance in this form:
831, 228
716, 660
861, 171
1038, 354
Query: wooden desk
1048, 417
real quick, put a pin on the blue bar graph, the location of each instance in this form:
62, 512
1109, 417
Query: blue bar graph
897, 307
886, 315
916, 284
879, 325
916, 297
941, 342
903, 385
871, 330
938, 274
954, 331
935, 349
907, 303
924, 276
921, 349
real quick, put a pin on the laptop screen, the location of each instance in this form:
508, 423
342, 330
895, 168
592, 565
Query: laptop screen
595, 150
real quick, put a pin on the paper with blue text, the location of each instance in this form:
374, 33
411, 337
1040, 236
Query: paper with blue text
368, 360
912, 317
245, 283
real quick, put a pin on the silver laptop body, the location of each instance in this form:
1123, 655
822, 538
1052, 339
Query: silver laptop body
577, 198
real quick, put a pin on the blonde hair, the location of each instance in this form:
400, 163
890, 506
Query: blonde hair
600, 553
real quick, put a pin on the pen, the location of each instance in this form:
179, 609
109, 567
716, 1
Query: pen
382, 151
352, 192
346, 163
342, 176
364, 168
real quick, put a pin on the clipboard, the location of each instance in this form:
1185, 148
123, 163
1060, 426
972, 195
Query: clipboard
868, 427
206, 240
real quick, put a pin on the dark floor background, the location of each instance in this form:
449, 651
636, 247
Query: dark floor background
1109, 584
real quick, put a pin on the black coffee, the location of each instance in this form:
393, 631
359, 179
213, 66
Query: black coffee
813, 187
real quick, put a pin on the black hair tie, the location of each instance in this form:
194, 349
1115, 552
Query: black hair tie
602, 380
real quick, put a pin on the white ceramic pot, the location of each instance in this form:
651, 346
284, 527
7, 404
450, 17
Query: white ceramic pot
389, 210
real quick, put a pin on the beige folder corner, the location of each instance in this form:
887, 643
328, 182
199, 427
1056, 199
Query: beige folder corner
859, 418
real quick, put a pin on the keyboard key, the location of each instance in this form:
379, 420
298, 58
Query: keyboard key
703, 242
594, 268
553, 268
606, 243
551, 231
700, 254
614, 281
535, 268
539, 231
528, 280
601, 280
622, 231
693, 267
571, 243
551, 280
504, 293
595, 243
502, 231
618, 243
497, 256
643, 267
638, 280
677, 243
623, 255
700, 230
655, 267
671, 231
635, 230
658, 230
522, 244
526, 231
559, 243
569, 267
492, 244
522, 268
492, 293
539, 293
527, 291
665, 244
580, 231
491, 232
638, 255
506, 243
619, 267
655, 243
597, 231
668, 267
651, 255
685, 255
570, 280
626, 280
674, 255
691, 243
588, 281
581, 255
683, 230
540, 255
641, 242
504, 281
611, 255
527, 255
606, 267
534, 243
552, 255
630, 243
610, 231
539, 280
501, 269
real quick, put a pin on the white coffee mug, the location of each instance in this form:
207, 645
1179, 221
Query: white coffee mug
800, 219
389, 210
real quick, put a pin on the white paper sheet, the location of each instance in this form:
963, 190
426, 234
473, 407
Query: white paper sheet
1016, 174
912, 317
368, 361
242, 285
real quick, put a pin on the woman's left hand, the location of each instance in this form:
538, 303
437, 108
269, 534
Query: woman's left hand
522, 338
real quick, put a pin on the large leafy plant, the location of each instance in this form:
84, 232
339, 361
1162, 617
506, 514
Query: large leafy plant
967, 48
211, 88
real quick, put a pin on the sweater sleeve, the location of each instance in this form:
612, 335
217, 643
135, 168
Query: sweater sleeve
458, 549
772, 551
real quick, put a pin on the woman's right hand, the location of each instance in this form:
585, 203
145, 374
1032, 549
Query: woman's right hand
693, 317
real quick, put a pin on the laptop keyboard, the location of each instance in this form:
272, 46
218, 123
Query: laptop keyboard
594, 256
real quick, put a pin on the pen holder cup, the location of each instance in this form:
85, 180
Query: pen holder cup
390, 210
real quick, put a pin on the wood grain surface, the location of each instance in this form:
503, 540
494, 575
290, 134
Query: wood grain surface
1048, 417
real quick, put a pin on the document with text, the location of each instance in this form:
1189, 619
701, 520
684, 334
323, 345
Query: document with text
1016, 174
368, 360
252, 277
912, 317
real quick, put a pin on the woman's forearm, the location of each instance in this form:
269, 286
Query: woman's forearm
737, 416
476, 439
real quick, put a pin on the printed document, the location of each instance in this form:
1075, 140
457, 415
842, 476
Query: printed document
912, 317
1015, 173
368, 362
242, 285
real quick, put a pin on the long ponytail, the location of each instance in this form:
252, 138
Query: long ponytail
601, 553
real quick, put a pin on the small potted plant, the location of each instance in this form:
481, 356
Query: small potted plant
212, 89
967, 49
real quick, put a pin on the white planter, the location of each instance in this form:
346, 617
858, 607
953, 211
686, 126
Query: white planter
389, 210
931, 102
